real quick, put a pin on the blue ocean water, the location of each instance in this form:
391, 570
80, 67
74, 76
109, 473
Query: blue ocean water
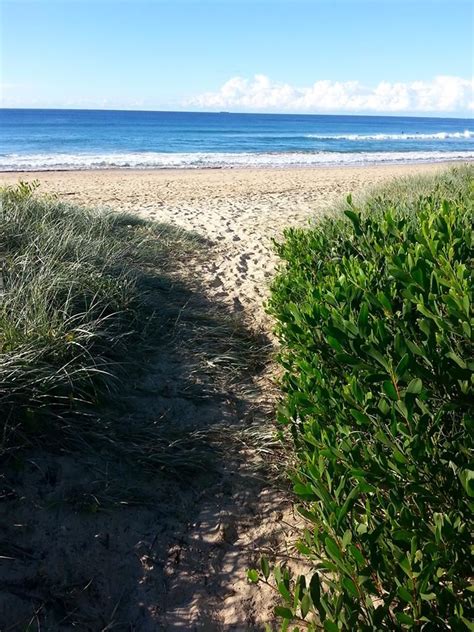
85, 139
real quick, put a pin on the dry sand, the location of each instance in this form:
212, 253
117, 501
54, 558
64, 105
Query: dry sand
164, 554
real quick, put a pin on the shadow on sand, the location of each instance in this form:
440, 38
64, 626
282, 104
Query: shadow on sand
152, 520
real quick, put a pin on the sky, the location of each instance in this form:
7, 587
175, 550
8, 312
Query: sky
328, 56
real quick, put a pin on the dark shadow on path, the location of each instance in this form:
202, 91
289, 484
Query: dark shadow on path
151, 523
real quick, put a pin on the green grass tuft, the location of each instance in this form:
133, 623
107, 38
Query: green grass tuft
73, 300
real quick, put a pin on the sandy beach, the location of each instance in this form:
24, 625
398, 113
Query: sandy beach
239, 210
179, 560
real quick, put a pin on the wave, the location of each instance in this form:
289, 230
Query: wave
467, 134
154, 160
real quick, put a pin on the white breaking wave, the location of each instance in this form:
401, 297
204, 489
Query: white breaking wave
467, 134
154, 160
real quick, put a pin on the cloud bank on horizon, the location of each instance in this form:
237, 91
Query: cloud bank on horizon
442, 94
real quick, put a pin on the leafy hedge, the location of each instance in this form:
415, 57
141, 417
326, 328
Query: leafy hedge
374, 315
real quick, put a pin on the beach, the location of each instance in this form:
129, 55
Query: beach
239, 210
161, 549
236, 316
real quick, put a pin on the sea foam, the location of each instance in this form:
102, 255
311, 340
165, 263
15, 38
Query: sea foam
158, 160
466, 134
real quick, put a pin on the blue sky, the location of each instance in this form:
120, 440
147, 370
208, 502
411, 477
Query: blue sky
390, 56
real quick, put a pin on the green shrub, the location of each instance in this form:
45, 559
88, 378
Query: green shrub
374, 315
70, 302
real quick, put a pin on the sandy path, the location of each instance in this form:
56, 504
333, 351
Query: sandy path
240, 210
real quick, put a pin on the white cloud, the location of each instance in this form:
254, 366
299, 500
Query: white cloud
445, 94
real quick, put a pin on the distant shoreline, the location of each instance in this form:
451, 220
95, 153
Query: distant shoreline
361, 115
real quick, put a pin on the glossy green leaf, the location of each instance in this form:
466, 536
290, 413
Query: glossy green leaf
415, 386
284, 613
252, 575
333, 549
405, 618
265, 566
350, 587
404, 594
390, 390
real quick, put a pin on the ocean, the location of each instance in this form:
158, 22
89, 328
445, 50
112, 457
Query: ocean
97, 139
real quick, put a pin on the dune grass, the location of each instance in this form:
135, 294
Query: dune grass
405, 192
74, 306
90, 302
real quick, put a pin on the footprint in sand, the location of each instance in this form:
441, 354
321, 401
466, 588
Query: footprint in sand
217, 282
243, 265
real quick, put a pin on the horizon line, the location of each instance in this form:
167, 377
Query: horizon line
225, 112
